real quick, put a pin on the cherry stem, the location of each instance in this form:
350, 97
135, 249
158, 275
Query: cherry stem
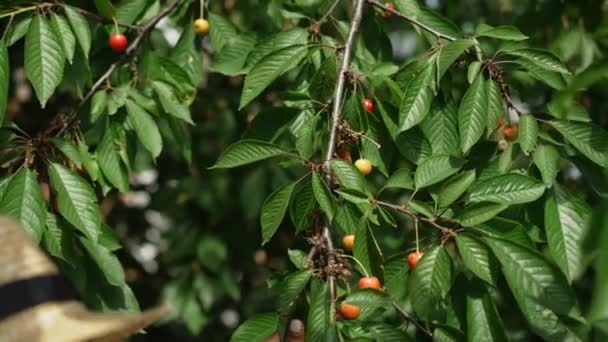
365, 273
416, 230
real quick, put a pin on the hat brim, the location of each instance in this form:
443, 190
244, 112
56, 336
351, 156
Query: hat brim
71, 321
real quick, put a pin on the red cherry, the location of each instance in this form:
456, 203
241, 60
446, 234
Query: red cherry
413, 258
118, 42
501, 122
369, 283
368, 105
511, 132
349, 311
386, 13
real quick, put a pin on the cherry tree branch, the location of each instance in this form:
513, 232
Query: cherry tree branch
405, 210
413, 21
143, 31
336, 118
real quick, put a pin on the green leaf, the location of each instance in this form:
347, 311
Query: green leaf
230, 61
290, 289
268, 69
528, 272
110, 164
305, 136
106, 261
81, 29
274, 210
105, 8
17, 30
246, 152
65, 35
591, 140
98, 104
566, 220
450, 53
171, 104
323, 82
472, 114
401, 179
441, 128
186, 54
477, 257
546, 158
453, 188
551, 78
281, 40
528, 133
510, 188
303, 203
145, 128
23, 201
417, 99
477, 213
500, 32
413, 146
430, 282
4, 79
368, 298
366, 249
317, 323
496, 106
297, 257
256, 328
323, 196
348, 175
57, 240
542, 58
506, 229
44, 58
483, 322
221, 31
76, 200
436, 169
473, 71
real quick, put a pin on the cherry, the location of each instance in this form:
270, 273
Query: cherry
368, 105
349, 311
344, 154
118, 42
369, 283
510, 132
364, 166
501, 122
201, 26
413, 258
386, 13
348, 241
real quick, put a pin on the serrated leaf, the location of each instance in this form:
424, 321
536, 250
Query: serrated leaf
413, 145
4, 79
478, 258
81, 29
510, 188
546, 158
109, 162
290, 289
529, 273
368, 298
566, 220
441, 128
323, 196
274, 210
23, 201
57, 240
483, 321
297, 257
105, 8
417, 99
268, 69
348, 175
305, 137
296, 36
454, 187
246, 152
44, 58
430, 282
106, 261
17, 30
171, 104
401, 179
496, 106
303, 203
553, 79
477, 213
145, 128
65, 35
542, 58
256, 328
472, 114
76, 200
323, 82
528, 133
318, 311
590, 139
436, 169
506, 229
500, 32
230, 61
450, 53
221, 31
366, 249
473, 71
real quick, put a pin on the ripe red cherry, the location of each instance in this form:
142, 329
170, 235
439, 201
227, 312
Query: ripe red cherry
413, 258
349, 311
118, 42
510, 132
368, 105
386, 13
369, 283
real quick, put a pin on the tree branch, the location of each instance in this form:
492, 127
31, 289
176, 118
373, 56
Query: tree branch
336, 117
412, 20
405, 210
143, 31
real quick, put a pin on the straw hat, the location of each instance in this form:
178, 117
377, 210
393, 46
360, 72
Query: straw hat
36, 303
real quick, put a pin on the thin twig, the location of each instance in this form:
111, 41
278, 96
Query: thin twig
143, 31
329, 12
97, 17
412, 21
403, 209
336, 118
412, 319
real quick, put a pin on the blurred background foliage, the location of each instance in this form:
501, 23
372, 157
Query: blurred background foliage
191, 236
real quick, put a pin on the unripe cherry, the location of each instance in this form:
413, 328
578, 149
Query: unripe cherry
364, 166
348, 241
